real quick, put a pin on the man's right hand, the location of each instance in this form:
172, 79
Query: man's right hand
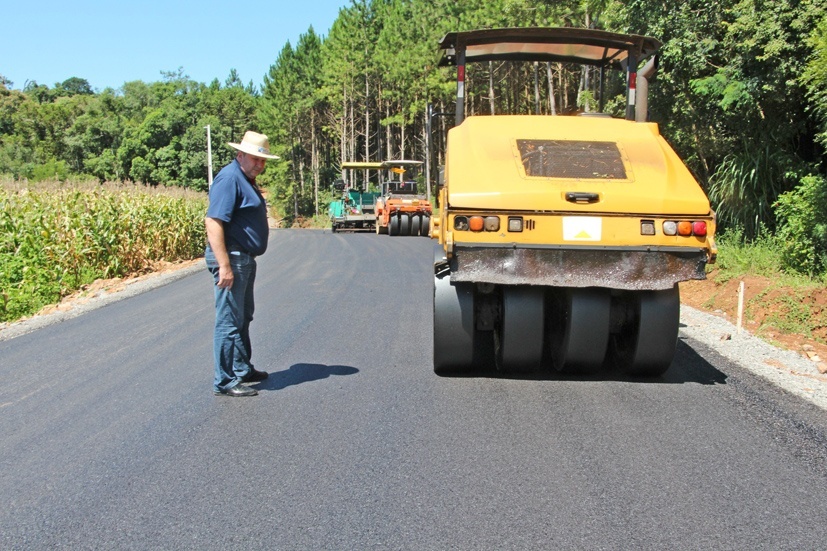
225, 277
215, 237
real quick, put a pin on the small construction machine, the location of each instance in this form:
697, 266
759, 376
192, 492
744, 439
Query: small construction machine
401, 209
562, 239
354, 210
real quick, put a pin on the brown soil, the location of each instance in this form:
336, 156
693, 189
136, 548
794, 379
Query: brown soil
114, 285
766, 307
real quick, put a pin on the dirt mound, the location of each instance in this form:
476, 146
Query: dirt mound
770, 310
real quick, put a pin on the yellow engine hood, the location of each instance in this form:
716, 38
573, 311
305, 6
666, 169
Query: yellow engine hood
486, 167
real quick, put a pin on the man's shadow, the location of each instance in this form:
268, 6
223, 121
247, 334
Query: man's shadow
302, 373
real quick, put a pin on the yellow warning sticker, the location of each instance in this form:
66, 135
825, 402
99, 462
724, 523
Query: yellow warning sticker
582, 228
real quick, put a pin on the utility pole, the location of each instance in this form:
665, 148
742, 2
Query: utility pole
430, 114
209, 157
428, 110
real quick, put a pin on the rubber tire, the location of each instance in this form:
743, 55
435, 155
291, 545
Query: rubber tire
425, 230
393, 226
579, 330
404, 224
648, 352
416, 221
454, 329
518, 342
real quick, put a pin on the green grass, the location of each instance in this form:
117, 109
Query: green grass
760, 257
794, 308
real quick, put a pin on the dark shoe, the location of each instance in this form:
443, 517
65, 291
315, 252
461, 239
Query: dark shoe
236, 391
254, 376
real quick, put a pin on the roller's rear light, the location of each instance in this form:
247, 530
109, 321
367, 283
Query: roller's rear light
492, 223
477, 223
685, 228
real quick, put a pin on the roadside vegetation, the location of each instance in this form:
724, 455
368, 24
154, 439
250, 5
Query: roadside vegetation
781, 298
740, 93
57, 237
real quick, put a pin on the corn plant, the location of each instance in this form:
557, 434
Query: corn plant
54, 238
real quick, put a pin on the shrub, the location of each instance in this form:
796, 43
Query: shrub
746, 184
738, 255
802, 226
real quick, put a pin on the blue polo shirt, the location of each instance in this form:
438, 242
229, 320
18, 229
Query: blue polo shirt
235, 201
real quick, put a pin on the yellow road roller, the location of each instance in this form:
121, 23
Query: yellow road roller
562, 238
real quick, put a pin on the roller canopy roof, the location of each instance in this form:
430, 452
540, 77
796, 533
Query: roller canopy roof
368, 165
571, 45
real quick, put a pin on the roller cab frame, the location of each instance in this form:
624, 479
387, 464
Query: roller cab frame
562, 239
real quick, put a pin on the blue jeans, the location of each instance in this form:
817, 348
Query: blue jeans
234, 308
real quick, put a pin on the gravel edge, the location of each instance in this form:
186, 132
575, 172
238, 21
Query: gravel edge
784, 368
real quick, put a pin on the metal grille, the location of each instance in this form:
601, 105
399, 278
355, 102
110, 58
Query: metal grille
571, 159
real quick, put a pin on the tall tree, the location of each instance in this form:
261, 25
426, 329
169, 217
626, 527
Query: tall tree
814, 76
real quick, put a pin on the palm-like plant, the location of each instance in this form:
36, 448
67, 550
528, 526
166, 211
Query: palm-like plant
745, 186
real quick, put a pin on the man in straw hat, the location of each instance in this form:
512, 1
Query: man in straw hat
237, 233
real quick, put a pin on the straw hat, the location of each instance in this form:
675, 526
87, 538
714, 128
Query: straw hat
254, 144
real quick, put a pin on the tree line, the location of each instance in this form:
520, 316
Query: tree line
741, 93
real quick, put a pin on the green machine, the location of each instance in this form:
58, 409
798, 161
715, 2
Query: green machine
354, 210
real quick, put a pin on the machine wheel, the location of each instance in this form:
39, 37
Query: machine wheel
380, 229
645, 346
404, 224
425, 231
416, 224
393, 226
518, 343
579, 329
453, 326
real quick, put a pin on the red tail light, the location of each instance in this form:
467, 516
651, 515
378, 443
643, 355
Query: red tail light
684, 228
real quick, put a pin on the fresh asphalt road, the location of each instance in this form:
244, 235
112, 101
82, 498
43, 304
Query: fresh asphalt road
112, 438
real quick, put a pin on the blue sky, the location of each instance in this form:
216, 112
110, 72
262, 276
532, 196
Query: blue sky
112, 42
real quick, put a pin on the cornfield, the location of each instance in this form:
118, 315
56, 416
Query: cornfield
56, 238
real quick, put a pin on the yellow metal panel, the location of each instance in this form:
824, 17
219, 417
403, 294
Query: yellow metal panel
484, 168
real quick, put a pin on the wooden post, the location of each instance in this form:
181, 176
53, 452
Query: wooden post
740, 305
